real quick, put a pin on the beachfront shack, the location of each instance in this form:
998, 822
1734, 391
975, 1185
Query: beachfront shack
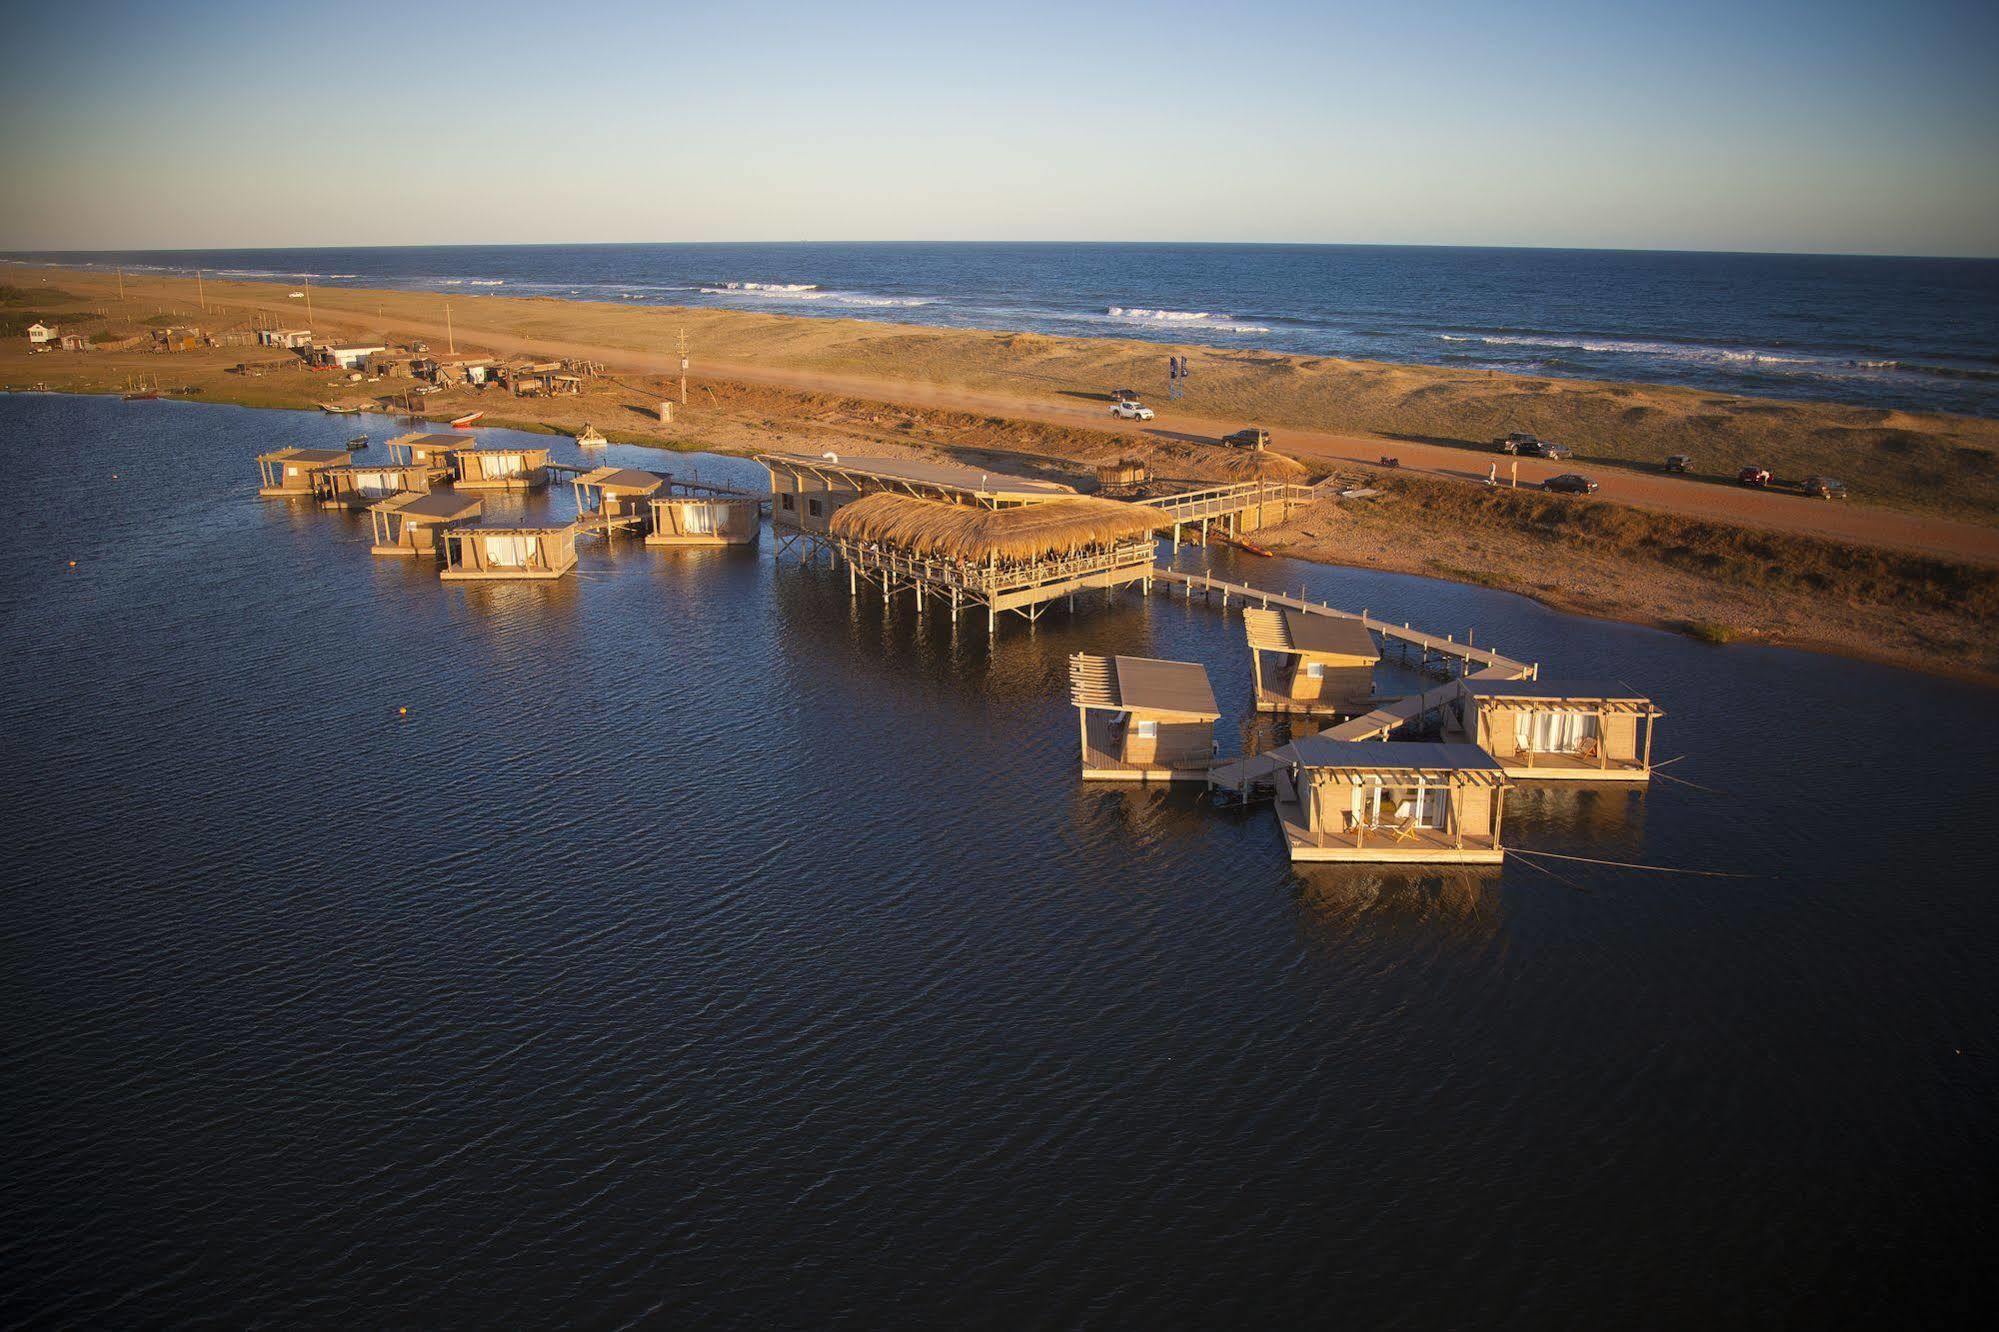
500, 469
508, 552
1309, 664
1557, 730
704, 519
956, 534
40, 333
432, 451
414, 523
611, 498
359, 485
292, 339
288, 473
1385, 801
1143, 720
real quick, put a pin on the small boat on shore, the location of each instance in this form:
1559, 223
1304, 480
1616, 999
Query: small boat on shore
460, 422
340, 409
590, 437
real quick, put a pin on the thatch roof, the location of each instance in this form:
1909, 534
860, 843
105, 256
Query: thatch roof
960, 532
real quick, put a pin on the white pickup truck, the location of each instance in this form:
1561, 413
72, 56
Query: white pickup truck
1131, 411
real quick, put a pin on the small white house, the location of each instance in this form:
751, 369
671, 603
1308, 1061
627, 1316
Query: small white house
41, 333
349, 355
293, 338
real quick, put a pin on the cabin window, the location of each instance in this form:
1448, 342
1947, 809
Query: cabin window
789, 503
1553, 732
1145, 730
1433, 807
814, 508
1315, 670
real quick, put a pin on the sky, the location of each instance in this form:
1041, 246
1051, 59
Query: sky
1828, 127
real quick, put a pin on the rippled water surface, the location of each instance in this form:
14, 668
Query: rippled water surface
704, 945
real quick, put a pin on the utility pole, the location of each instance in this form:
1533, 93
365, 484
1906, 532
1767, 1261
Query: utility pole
450, 340
121, 286
683, 367
200, 294
308, 300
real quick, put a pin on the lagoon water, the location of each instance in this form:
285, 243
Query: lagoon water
1874, 330
706, 946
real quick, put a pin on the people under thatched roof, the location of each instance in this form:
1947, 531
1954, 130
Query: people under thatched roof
936, 530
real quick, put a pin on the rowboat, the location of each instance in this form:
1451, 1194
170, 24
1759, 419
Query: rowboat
358, 442
591, 437
337, 409
460, 422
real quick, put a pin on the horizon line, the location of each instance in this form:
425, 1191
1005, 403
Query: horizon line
1324, 245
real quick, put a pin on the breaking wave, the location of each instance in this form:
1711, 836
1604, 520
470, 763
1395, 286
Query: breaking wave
1203, 318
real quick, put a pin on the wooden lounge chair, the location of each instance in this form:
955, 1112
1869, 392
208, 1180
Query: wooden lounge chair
1402, 829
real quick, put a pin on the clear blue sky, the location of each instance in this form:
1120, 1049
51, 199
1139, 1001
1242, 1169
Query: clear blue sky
1836, 126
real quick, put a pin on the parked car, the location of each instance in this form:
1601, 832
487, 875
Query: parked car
1753, 475
1824, 487
1250, 437
1132, 410
1680, 462
1570, 483
1124, 395
1533, 446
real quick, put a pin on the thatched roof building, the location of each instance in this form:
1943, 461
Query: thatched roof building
937, 530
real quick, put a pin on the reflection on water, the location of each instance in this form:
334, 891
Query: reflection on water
698, 922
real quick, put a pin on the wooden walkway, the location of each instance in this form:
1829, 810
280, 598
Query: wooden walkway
1458, 661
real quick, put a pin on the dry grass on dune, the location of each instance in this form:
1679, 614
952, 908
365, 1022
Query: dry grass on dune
1714, 580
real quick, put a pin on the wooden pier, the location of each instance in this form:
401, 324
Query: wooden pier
1433, 654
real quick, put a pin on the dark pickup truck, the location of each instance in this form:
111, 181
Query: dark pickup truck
1532, 446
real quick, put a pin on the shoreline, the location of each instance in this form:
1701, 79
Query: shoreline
741, 409
1920, 480
1305, 549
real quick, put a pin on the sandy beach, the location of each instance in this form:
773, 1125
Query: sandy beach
1926, 487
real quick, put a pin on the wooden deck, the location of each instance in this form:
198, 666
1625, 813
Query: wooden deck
1422, 846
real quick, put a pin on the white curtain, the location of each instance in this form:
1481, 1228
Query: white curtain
509, 552
1553, 732
698, 519
504, 464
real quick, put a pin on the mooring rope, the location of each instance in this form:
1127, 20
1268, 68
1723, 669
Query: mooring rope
1626, 864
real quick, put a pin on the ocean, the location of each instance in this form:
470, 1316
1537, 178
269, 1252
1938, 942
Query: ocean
1917, 334
688, 943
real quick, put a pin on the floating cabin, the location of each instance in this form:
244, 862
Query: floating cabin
500, 469
360, 485
415, 523
432, 451
962, 536
1143, 720
610, 499
287, 473
508, 552
1382, 800
1310, 664
690, 514
1557, 730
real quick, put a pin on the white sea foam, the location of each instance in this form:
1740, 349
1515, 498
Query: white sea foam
1663, 350
811, 291
1221, 323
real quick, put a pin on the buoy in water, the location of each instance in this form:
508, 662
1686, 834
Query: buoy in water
402, 712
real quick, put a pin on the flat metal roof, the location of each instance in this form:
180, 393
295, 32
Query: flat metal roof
1330, 635
1386, 755
922, 472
